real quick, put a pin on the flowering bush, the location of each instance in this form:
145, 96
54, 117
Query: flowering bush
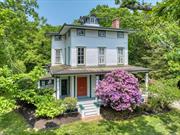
120, 90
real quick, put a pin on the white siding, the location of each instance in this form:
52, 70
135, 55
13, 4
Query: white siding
91, 42
56, 45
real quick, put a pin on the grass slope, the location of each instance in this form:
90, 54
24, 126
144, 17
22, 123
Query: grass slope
161, 124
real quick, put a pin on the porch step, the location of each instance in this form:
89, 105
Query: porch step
88, 108
91, 113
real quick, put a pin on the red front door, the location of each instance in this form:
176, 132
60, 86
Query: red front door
81, 86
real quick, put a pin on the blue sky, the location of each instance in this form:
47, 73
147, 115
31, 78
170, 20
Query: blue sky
58, 12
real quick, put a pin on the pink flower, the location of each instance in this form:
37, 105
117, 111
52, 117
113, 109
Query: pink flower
120, 90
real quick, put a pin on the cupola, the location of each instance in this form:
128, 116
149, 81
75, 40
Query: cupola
91, 20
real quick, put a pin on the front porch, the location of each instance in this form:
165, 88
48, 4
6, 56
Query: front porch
81, 84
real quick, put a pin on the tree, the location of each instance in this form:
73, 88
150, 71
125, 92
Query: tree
134, 5
155, 42
22, 42
120, 90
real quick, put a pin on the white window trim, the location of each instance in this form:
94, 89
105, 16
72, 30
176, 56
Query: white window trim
120, 55
81, 64
99, 55
60, 56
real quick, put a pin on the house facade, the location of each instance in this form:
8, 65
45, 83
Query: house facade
82, 54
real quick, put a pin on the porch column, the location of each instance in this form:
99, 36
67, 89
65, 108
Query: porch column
90, 86
55, 84
75, 86
97, 81
58, 89
146, 81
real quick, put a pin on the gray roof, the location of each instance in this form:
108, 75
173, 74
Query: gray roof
68, 70
66, 27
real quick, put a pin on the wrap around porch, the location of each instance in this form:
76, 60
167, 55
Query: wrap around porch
80, 82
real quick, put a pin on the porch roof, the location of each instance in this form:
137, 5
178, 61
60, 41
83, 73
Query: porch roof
68, 70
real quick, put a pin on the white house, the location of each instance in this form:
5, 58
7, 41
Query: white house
82, 54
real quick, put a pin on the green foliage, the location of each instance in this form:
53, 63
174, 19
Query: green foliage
45, 91
23, 44
162, 93
70, 103
49, 108
5, 71
154, 44
25, 83
6, 105
26, 96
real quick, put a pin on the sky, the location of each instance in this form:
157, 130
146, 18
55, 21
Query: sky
58, 12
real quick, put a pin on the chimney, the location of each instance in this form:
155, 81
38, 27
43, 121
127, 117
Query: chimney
116, 23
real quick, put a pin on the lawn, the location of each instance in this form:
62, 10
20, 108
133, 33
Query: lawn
161, 124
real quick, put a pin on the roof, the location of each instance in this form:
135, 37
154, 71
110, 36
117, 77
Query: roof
48, 76
66, 27
68, 70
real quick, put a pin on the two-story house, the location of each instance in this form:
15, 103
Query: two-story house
82, 54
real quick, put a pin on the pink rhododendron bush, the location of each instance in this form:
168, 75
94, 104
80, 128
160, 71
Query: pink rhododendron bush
120, 90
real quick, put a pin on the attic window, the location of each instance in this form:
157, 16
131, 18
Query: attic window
57, 38
92, 19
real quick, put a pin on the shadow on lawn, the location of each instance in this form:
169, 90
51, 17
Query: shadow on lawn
127, 123
170, 121
138, 127
14, 124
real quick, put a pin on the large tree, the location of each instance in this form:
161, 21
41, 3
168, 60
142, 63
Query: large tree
155, 42
22, 41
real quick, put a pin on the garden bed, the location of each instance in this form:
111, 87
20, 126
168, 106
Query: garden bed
28, 112
108, 113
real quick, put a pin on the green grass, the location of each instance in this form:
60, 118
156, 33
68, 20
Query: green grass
161, 124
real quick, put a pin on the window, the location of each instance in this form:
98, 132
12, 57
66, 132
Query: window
101, 55
57, 38
120, 35
120, 55
80, 32
58, 56
102, 33
92, 19
65, 56
69, 55
69, 33
80, 55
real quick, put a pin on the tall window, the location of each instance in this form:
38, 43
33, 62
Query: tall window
81, 55
58, 56
120, 53
101, 55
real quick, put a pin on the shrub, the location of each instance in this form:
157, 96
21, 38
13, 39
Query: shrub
70, 103
25, 83
49, 108
45, 91
27, 96
162, 93
6, 105
120, 90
